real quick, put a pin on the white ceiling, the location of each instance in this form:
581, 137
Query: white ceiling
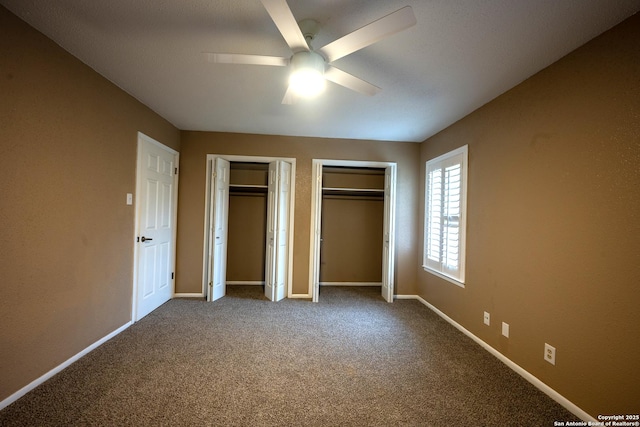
460, 55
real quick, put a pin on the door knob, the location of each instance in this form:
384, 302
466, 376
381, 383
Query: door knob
144, 239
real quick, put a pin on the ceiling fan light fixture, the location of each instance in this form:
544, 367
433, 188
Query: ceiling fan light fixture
307, 74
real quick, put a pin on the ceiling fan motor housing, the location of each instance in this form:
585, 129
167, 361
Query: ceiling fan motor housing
307, 61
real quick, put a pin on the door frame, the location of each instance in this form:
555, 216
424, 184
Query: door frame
138, 209
316, 216
208, 211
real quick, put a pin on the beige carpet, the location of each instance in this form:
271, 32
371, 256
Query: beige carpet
350, 360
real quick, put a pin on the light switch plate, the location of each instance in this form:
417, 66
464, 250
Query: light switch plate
129, 199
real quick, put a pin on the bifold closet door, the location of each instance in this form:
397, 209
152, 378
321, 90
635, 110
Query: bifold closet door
388, 234
277, 248
218, 239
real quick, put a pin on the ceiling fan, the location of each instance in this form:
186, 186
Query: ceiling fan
310, 68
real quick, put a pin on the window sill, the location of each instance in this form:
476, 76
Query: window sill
443, 276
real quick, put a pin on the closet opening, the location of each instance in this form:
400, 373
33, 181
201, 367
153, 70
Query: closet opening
247, 227
352, 225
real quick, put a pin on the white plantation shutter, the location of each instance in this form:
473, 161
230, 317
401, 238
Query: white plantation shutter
445, 214
434, 215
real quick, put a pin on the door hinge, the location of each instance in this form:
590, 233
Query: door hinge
172, 275
176, 171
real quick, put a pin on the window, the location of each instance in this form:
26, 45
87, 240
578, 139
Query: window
445, 215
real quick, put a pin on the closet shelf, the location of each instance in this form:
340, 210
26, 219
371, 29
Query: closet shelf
246, 186
243, 188
359, 190
341, 191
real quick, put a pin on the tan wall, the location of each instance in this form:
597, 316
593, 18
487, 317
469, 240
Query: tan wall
554, 223
353, 178
351, 248
68, 148
246, 238
196, 145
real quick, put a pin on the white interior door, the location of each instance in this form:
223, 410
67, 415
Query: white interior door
218, 232
388, 235
277, 250
156, 211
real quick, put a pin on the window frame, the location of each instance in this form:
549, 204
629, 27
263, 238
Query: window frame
456, 276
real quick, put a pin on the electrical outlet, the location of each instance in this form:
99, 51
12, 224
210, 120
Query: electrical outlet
487, 318
505, 329
550, 353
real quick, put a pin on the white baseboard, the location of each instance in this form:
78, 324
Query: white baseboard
350, 283
35, 383
188, 295
299, 296
566, 403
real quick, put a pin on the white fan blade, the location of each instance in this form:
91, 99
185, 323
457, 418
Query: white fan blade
369, 34
286, 23
239, 58
290, 97
349, 81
